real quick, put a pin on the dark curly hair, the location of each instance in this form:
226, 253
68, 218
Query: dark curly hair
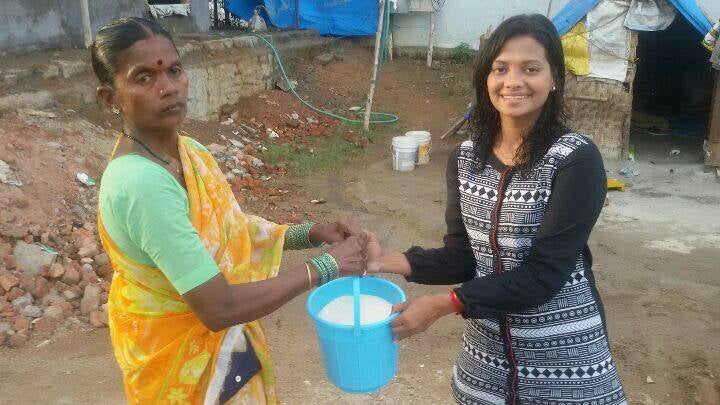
485, 119
115, 38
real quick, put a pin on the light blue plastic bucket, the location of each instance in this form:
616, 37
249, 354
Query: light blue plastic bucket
359, 359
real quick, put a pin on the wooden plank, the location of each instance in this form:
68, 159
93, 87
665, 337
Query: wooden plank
376, 61
713, 155
431, 43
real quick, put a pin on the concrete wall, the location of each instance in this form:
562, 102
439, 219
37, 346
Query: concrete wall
466, 20
27, 25
462, 20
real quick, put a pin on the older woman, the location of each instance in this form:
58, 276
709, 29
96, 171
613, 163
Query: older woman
193, 273
523, 196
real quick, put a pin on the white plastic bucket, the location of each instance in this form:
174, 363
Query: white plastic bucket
424, 140
404, 153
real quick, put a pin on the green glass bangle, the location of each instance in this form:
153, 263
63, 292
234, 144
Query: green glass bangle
297, 237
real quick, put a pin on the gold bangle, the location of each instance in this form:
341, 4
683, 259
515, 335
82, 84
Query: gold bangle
307, 266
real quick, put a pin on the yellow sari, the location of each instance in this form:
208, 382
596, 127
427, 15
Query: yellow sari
166, 353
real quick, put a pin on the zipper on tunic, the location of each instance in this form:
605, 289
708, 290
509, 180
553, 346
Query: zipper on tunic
493, 240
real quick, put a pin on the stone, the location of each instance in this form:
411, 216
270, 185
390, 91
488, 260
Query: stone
10, 262
54, 312
22, 302
98, 319
102, 259
22, 323
5, 250
61, 287
14, 293
91, 299
90, 250
71, 276
5, 328
32, 311
83, 237
325, 58
45, 324
105, 272
51, 298
45, 238
56, 270
87, 260
8, 281
17, 339
69, 68
32, 258
51, 72
88, 275
41, 289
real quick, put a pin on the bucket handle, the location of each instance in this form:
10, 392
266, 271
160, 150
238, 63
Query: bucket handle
356, 305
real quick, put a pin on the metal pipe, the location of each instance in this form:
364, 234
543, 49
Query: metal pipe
87, 28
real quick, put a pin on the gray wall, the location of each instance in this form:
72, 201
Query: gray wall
27, 25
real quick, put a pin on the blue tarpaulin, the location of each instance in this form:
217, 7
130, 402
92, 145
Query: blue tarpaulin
330, 17
575, 10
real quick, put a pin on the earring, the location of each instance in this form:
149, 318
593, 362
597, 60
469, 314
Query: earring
553, 89
115, 110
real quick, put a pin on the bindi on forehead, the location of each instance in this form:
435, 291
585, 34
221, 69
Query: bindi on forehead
159, 62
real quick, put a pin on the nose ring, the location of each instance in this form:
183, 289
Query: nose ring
162, 91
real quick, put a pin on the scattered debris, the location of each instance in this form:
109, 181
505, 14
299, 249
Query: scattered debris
628, 171
283, 85
228, 121
325, 59
318, 201
355, 109
7, 175
36, 113
613, 184
649, 380
675, 152
272, 134
85, 179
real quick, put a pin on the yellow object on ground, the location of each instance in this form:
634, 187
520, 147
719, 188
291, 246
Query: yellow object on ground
165, 352
613, 184
575, 47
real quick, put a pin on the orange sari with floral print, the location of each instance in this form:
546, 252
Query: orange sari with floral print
166, 353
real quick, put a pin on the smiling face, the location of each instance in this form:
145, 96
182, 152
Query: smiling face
150, 87
520, 80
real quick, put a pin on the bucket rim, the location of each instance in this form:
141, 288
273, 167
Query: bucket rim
368, 326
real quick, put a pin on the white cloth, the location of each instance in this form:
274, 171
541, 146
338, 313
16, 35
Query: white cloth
609, 40
650, 15
166, 10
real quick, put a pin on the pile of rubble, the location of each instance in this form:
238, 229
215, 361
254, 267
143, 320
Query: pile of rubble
51, 278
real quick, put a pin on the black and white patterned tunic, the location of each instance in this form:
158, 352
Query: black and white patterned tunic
535, 330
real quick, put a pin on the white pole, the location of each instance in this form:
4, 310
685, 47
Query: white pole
87, 29
368, 106
432, 39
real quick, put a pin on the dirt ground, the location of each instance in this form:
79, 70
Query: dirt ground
655, 249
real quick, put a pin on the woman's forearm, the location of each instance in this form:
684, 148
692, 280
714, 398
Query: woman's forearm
220, 305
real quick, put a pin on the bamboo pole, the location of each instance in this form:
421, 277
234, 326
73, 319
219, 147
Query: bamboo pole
373, 83
432, 39
87, 28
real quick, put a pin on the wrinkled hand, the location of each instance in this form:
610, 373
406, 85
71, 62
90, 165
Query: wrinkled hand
350, 256
417, 314
337, 231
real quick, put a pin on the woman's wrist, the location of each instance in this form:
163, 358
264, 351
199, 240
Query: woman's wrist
300, 236
392, 262
315, 234
444, 304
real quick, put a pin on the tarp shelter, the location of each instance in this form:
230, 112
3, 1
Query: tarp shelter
600, 40
337, 17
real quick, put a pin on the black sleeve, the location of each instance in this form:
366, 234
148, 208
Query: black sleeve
577, 197
454, 262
